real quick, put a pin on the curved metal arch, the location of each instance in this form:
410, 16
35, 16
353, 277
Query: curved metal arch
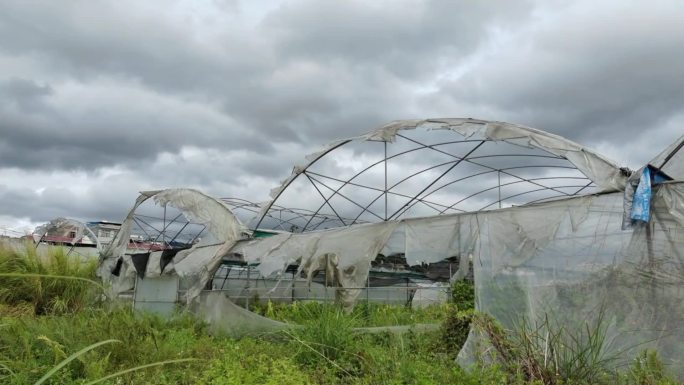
520, 180
296, 213
370, 187
603, 173
83, 229
512, 196
347, 182
421, 200
528, 192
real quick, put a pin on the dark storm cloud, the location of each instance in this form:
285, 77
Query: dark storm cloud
227, 97
298, 80
589, 73
296, 77
407, 39
59, 202
88, 40
106, 127
348, 67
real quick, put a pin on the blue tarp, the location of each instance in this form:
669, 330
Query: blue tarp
641, 205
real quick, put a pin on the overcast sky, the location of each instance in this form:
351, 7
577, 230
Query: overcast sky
99, 100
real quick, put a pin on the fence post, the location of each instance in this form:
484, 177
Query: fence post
293, 287
325, 272
247, 288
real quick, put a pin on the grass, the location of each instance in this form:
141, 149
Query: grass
546, 352
60, 333
55, 283
364, 314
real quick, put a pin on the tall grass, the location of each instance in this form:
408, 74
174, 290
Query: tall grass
550, 353
54, 283
326, 338
32, 347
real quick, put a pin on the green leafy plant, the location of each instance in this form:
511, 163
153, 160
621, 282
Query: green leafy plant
463, 294
647, 369
454, 331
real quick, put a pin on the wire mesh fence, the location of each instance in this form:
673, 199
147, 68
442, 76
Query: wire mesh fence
243, 285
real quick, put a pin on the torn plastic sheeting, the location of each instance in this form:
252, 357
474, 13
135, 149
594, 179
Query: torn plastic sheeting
122, 237
584, 264
203, 209
431, 239
568, 259
348, 251
670, 200
671, 160
265, 253
226, 318
206, 271
603, 172
196, 206
193, 260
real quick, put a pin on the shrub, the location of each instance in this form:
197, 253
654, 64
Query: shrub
463, 294
454, 331
647, 369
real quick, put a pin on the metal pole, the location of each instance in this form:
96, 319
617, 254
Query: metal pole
293, 286
385, 181
164, 228
367, 287
247, 288
326, 279
499, 174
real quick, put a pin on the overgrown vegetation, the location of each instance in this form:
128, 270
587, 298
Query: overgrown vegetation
363, 314
60, 325
53, 284
545, 352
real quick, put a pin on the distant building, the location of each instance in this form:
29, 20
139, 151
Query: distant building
104, 231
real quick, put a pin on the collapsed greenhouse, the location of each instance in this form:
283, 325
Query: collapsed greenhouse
549, 227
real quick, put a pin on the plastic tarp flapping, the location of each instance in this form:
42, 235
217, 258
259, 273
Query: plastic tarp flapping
567, 260
346, 252
668, 165
537, 261
641, 203
196, 264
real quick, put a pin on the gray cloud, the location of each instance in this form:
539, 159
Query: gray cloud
226, 97
604, 74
